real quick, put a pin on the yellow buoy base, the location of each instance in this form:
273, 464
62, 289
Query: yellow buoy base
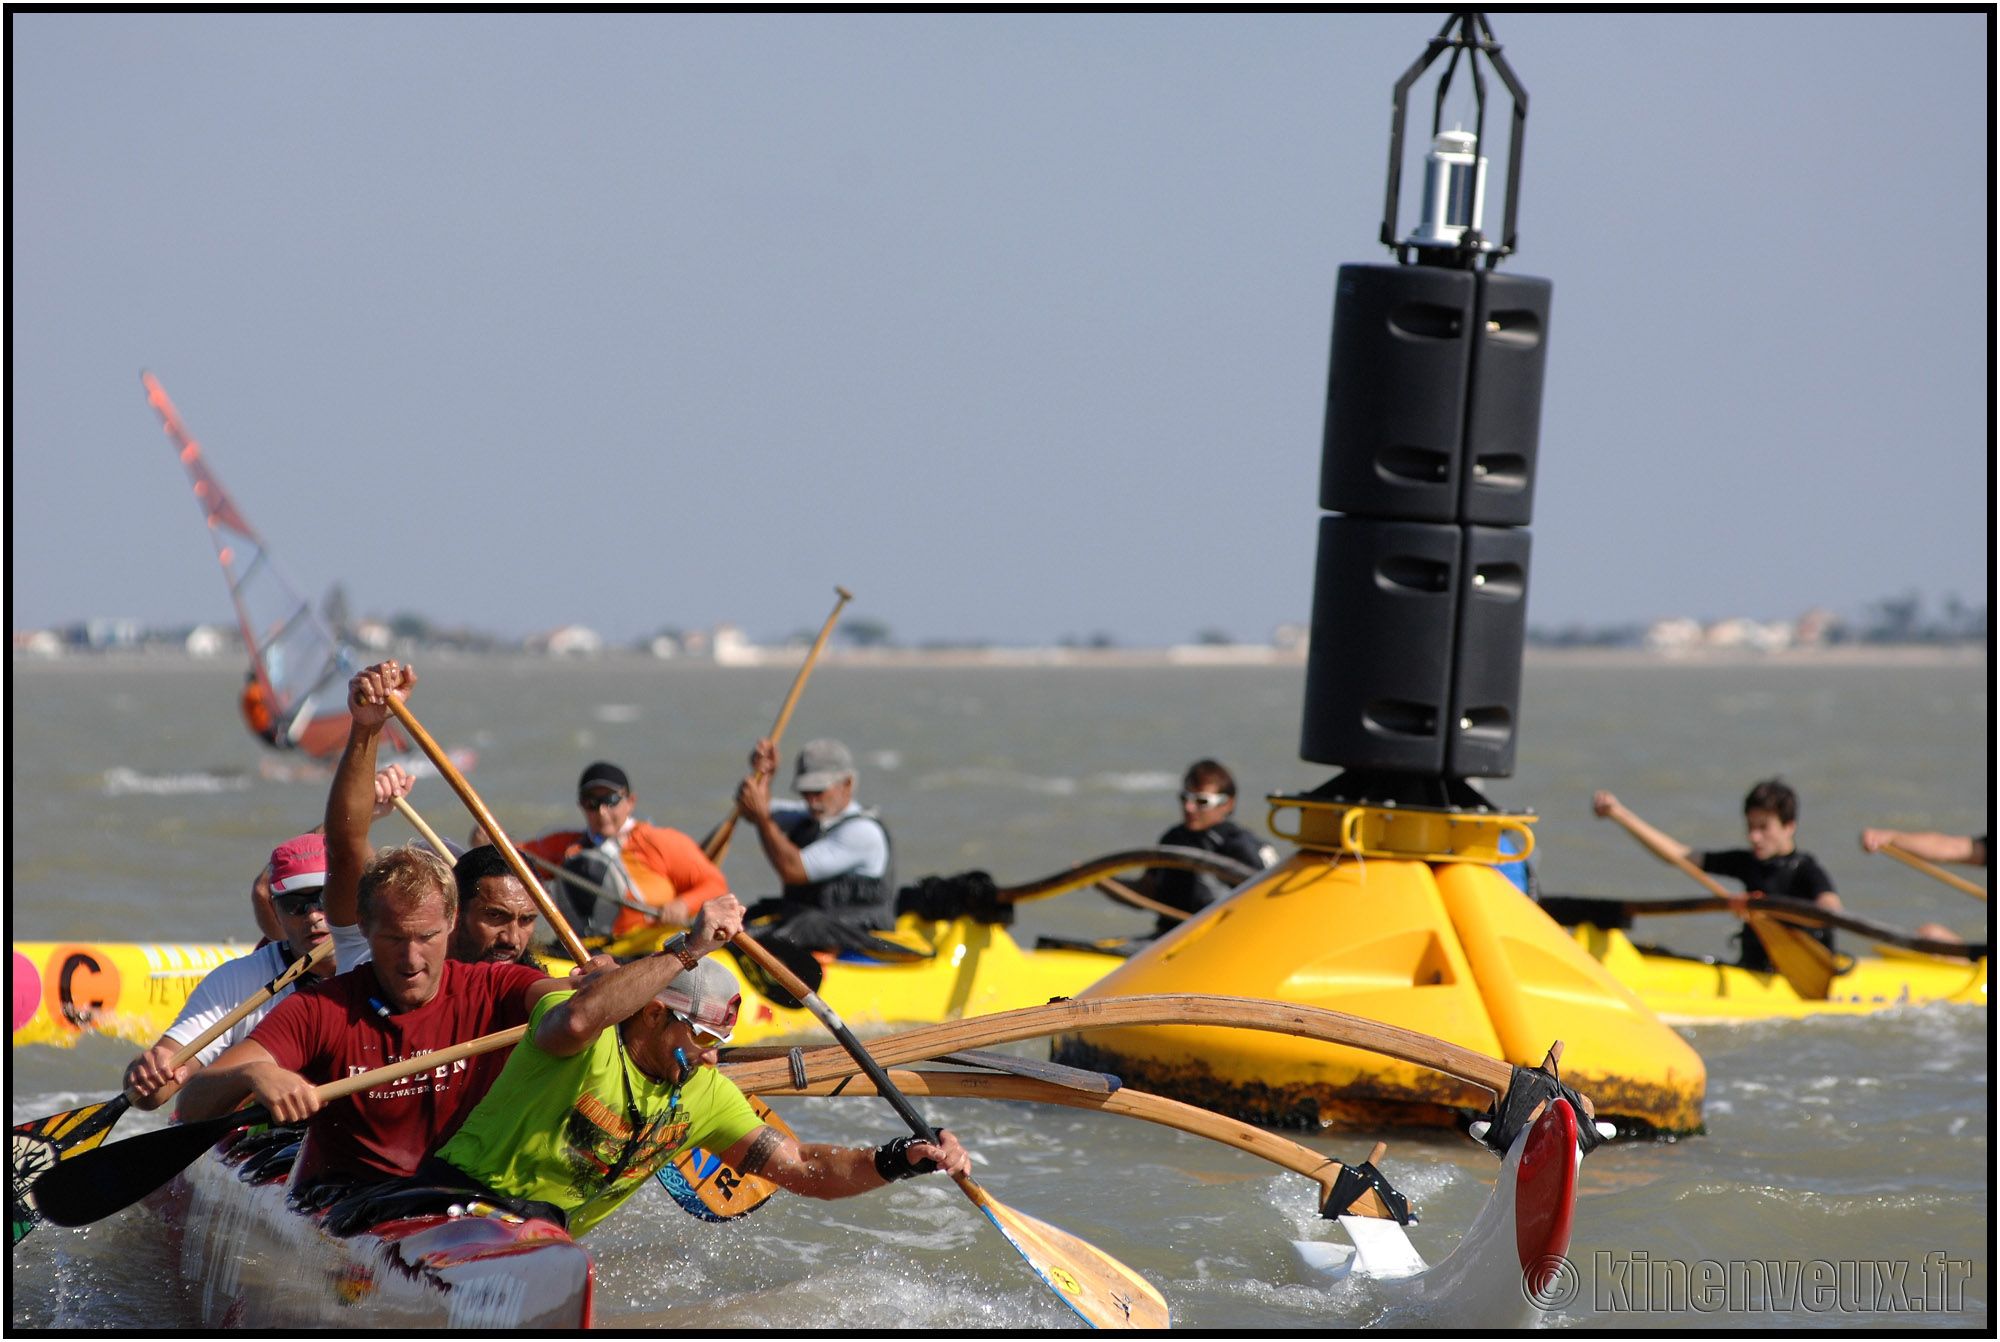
1453, 951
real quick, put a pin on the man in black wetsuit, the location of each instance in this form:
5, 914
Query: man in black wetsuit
1771, 865
1208, 799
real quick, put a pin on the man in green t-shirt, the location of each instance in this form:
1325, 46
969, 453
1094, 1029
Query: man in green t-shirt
617, 1076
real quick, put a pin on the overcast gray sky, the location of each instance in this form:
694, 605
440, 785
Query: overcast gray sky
1016, 325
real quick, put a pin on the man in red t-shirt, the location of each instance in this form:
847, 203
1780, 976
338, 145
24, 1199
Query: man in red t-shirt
409, 999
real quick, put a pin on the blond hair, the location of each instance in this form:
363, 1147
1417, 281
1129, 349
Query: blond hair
403, 878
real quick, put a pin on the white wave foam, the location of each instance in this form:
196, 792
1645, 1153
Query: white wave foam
616, 713
996, 778
119, 782
1138, 780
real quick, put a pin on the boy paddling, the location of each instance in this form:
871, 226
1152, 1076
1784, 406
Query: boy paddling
1771, 865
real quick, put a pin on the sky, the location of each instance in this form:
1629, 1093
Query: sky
1014, 325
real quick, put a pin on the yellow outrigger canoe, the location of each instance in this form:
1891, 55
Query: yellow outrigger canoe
133, 991
1684, 990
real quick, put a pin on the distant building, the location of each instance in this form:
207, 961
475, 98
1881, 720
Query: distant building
1291, 637
109, 633
374, 635
574, 640
1814, 627
732, 648
37, 643
1674, 635
665, 647
205, 640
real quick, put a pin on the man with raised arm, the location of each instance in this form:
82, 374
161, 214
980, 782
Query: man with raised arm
408, 999
833, 857
617, 1077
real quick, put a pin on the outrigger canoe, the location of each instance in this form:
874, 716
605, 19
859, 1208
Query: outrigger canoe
249, 1259
1684, 989
133, 991
946, 968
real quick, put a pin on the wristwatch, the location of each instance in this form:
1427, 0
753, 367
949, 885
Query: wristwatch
677, 946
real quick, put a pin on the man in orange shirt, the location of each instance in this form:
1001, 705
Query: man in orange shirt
650, 863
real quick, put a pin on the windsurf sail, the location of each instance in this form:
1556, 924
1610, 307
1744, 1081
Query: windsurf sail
296, 695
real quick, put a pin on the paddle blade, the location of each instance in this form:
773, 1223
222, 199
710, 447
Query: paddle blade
1806, 964
1103, 1291
708, 1189
94, 1184
39, 1145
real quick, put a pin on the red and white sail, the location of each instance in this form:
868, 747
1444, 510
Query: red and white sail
298, 667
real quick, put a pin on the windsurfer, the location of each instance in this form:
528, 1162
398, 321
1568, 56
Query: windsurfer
259, 713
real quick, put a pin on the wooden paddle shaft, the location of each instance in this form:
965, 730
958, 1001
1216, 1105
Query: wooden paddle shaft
451, 775
429, 835
1088, 873
1125, 894
596, 888
718, 843
423, 1062
295, 971
1908, 858
826, 1016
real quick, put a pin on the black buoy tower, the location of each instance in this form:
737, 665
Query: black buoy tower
1427, 474
1396, 906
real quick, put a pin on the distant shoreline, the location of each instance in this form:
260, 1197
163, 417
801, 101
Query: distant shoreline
1200, 655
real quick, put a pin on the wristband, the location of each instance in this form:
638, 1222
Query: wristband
677, 946
892, 1161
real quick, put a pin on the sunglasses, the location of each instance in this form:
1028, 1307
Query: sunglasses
607, 800
1206, 801
706, 1035
297, 906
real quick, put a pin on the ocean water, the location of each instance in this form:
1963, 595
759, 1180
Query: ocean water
141, 810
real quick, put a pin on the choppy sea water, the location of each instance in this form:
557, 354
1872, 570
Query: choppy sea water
141, 811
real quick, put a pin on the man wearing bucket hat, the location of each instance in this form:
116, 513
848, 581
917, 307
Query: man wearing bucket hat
297, 876
617, 1076
833, 857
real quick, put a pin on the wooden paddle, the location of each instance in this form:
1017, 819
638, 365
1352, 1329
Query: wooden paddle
41, 1144
449, 772
717, 844
597, 888
1910, 859
93, 1185
429, 835
1569, 910
1090, 872
1806, 964
1125, 894
1102, 1290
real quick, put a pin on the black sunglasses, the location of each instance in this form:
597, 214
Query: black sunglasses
597, 799
297, 906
